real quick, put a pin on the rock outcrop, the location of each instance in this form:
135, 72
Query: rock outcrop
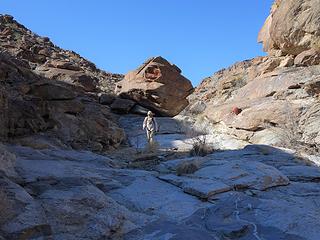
157, 85
250, 193
50, 61
292, 27
278, 94
45, 89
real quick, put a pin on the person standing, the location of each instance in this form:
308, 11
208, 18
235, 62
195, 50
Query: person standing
150, 125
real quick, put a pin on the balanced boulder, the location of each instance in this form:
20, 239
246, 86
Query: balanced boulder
157, 85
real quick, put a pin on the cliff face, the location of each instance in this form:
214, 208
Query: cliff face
45, 89
272, 99
292, 27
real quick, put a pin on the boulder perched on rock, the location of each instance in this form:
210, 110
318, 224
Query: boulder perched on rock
157, 85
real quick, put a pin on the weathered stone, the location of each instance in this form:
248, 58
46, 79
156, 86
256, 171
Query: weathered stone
49, 91
292, 27
308, 58
7, 162
89, 83
202, 188
21, 216
157, 85
63, 65
106, 99
302, 173
137, 109
287, 62
122, 105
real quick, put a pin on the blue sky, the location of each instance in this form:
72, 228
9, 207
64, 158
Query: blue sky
199, 36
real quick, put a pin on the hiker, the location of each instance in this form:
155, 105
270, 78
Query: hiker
150, 125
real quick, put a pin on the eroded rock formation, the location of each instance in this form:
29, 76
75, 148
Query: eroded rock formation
278, 94
157, 85
45, 89
292, 27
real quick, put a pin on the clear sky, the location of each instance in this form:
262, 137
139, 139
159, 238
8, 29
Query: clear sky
199, 36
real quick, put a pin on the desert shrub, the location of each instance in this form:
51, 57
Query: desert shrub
200, 147
197, 134
187, 168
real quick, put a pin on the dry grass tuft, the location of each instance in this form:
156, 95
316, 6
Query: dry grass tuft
187, 168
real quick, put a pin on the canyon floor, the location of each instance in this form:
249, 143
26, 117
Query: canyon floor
236, 192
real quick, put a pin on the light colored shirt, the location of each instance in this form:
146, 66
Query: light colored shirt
150, 123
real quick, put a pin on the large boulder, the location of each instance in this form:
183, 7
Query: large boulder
292, 27
157, 85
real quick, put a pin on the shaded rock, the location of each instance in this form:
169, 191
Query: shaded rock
238, 174
89, 83
137, 109
106, 99
302, 173
49, 91
225, 176
202, 188
7, 162
67, 106
122, 105
151, 195
21, 216
157, 85
238, 216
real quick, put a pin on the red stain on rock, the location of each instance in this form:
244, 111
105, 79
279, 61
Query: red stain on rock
236, 110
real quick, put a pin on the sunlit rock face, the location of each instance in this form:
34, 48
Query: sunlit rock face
279, 93
292, 27
157, 85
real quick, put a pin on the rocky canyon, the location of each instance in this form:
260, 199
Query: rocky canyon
236, 157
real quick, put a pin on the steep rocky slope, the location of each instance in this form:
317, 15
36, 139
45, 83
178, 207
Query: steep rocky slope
45, 89
50, 61
272, 99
